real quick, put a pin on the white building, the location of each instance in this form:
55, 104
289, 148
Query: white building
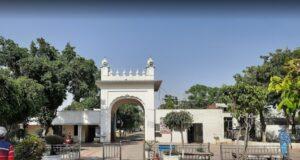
210, 125
136, 88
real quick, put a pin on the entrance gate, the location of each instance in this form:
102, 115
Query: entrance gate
117, 89
123, 150
112, 151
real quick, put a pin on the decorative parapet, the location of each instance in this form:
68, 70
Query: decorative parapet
108, 74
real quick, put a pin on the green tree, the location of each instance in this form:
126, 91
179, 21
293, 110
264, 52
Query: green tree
82, 78
88, 103
11, 54
289, 89
45, 66
56, 72
244, 101
179, 121
170, 102
201, 96
68, 53
129, 116
273, 65
20, 99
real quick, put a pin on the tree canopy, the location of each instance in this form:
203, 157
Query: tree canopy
129, 117
20, 99
88, 103
244, 99
57, 72
179, 121
289, 89
201, 96
170, 102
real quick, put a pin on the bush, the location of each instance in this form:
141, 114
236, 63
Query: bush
31, 148
54, 139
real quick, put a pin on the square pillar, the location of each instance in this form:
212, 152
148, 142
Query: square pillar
149, 124
105, 124
79, 133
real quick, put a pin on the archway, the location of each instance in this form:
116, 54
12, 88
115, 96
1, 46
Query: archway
127, 119
127, 88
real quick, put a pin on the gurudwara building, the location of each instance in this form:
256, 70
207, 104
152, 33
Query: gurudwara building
138, 88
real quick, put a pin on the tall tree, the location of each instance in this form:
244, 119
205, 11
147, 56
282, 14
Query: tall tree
11, 54
20, 99
82, 78
46, 67
202, 96
244, 101
56, 72
289, 89
273, 65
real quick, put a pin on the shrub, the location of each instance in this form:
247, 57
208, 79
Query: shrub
54, 139
31, 148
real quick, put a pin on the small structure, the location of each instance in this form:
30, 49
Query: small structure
81, 125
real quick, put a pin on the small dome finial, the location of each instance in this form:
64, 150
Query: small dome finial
150, 62
104, 62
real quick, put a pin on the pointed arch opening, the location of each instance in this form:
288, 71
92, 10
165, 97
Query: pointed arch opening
127, 119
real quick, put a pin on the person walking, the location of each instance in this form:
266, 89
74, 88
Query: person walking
285, 141
6, 148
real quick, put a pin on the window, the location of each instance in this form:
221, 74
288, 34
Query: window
76, 130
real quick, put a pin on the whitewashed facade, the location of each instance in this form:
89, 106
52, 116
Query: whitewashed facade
123, 88
138, 87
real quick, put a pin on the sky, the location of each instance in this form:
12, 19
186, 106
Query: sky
190, 45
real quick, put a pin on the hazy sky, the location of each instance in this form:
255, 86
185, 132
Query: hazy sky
206, 47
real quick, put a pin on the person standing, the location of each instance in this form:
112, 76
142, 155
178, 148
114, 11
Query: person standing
285, 141
6, 148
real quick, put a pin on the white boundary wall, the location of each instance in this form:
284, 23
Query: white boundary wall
212, 120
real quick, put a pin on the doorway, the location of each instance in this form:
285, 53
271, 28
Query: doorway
127, 121
195, 133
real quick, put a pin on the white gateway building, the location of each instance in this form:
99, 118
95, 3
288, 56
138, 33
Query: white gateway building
138, 88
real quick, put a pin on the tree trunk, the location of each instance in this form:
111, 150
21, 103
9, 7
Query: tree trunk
182, 143
246, 138
262, 126
45, 131
293, 123
171, 143
287, 118
238, 139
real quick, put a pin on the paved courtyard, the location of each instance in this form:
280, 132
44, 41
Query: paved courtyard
134, 151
